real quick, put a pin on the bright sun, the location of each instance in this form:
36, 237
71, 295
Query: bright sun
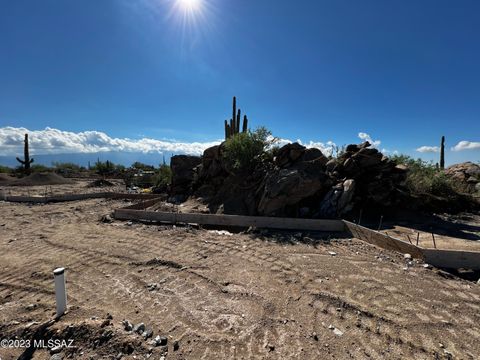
189, 5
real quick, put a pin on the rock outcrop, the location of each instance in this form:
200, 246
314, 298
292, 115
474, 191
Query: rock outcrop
298, 182
183, 172
466, 176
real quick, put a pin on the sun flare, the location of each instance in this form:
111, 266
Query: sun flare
189, 5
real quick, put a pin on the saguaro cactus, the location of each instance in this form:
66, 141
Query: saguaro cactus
442, 153
27, 160
232, 127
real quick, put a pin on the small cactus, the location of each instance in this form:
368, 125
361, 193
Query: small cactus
442, 153
232, 127
27, 160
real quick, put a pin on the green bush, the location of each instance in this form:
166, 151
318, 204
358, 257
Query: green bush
243, 152
141, 166
163, 177
104, 168
424, 177
66, 168
5, 169
38, 168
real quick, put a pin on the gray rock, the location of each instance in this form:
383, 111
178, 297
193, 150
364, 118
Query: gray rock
127, 325
139, 328
345, 203
148, 333
160, 340
183, 172
106, 219
286, 187
55, 350
337, 332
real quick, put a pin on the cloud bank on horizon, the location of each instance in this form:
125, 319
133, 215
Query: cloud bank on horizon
55, 141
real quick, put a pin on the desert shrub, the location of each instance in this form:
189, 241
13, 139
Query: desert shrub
5, 169
163, 177
424, 177
67, 168
141, 166
38, 168
104, 168
243, 152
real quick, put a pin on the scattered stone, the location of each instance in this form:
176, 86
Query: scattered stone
106, 219
407, 256
55, 350
333, 253
315, 336
147, 334
478, 282
427, 266
56, 357
176, 346
337, 332
29, 325
127, 325
106, 322
139, 328
152, 286
331, 327
160, 340
109, 316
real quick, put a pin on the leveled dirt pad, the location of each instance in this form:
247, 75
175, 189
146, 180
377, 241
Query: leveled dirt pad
217, 295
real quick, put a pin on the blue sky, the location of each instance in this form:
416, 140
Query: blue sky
404, 72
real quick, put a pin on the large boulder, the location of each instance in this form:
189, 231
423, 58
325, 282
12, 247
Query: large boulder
287, 187
466, 176
338, 201
183, 173
212, 163
289, 154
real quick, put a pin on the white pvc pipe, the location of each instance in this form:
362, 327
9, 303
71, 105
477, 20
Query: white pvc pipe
60, 291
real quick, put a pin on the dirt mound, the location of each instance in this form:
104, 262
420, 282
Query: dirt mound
4, 178
41, 179
100, 183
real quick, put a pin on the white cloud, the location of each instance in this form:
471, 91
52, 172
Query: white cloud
428, 149
466, 145
365, 137
54, 141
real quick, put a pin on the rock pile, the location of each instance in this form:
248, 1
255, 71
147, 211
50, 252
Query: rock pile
298, 182
183, 173
466, 175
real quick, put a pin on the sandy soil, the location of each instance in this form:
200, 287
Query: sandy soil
454, 232
79, 186
218, 295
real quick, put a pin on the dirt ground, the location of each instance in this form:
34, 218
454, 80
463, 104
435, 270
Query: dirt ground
218, 295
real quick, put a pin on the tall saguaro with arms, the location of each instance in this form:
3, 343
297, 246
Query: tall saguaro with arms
27, 160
